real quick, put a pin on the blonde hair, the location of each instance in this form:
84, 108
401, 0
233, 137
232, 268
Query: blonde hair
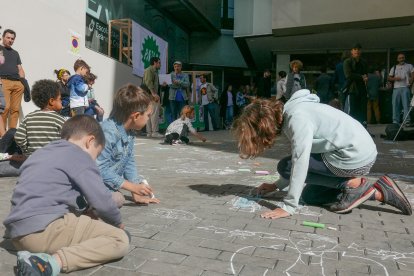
186, 112
256, 128
297, 63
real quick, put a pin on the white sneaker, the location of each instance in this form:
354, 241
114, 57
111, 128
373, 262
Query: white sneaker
157, 135
177, 142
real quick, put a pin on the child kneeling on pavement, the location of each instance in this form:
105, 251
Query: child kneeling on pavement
50, 196
330, 152
177, 131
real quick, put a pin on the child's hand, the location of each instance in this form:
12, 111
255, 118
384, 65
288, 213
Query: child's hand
142, 189
18, 158
143, 199
266, 188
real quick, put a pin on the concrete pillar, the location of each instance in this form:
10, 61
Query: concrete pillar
282, 63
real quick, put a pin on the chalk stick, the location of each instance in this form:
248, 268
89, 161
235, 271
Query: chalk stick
146, 183
262, 172
244, 170
331, 228
313, 224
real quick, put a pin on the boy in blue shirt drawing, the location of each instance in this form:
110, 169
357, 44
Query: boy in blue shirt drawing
130, 112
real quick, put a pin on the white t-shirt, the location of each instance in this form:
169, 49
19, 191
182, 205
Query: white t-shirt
404, 72
178, 125
204, 97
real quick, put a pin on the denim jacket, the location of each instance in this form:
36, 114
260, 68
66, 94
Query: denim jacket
116, 161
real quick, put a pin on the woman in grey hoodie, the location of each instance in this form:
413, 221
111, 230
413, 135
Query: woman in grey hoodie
330, 152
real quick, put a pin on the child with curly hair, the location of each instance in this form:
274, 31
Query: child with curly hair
37, 129
330, 152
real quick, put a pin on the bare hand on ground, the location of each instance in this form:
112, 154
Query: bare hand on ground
275, 214
143, 199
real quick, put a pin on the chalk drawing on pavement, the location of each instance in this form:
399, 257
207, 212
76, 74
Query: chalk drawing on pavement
173, 214
320, 247
245, 204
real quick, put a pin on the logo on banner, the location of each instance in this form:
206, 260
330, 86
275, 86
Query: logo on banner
149, 49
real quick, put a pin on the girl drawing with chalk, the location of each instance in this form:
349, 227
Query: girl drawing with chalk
177, 132
330, 152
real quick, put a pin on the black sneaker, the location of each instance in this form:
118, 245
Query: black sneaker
393, 194
32, 265
353, 197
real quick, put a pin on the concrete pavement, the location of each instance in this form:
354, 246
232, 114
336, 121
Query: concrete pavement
208, 221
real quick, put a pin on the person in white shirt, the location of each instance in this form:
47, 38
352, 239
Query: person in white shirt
402, 76
281, 85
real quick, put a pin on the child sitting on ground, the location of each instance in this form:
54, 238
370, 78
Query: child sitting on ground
130, 112
42, 126
37, 129
177, 131
94, 108
48, 199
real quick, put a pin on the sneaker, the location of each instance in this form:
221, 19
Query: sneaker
33, 265
353, 197
408, 124
157, 135
393, 194
176, 142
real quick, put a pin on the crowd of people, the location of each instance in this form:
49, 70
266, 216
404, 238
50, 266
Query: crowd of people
53, 221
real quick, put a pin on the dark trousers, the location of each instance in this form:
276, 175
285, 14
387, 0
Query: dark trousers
175, 136
358, 107
210, 109
176, 108
322, 186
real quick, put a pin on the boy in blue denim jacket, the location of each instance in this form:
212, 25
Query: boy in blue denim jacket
130, 112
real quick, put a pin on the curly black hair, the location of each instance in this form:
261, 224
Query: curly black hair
43, 91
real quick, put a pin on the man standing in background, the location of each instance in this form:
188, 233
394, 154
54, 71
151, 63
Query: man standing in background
402, 76
11, 71
265, 85
152, 82
356, 73
178, 90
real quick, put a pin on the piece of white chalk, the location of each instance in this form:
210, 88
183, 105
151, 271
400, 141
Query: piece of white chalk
262, 172
244, 170
332, 228
146, 183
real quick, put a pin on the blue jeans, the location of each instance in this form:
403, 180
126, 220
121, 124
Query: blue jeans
176, 108
92, 112
210, 109
400, 96
229, 115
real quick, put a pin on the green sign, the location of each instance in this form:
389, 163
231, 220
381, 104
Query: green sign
149, 49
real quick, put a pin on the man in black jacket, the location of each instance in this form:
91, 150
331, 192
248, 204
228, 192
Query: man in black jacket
356, 73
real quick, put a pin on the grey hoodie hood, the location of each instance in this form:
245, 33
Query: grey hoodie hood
300, 96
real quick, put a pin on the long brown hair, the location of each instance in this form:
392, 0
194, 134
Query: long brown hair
256, 128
